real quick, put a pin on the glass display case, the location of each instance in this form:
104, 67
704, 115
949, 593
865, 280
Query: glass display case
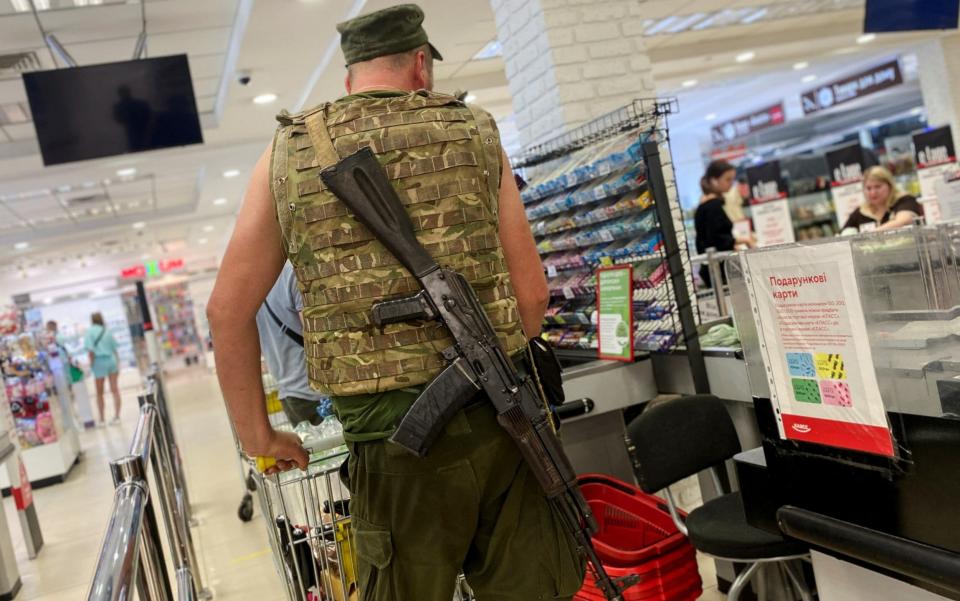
908, 287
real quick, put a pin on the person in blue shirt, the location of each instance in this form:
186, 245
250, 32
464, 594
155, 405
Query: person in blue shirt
281, 343
102, 347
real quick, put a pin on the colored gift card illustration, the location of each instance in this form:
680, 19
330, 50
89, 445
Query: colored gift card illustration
806, 391
801, 365
830, 366
836, 393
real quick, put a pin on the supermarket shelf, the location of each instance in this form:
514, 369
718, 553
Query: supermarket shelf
572, 295
611, 238
605, 218
608, 261
640, 188
529, 196
801, 223
568, 268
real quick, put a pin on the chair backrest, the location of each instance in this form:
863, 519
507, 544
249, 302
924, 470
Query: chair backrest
676, 439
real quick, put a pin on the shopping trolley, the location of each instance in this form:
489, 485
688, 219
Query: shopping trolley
307, 516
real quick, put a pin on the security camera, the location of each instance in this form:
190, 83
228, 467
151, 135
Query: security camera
244, 77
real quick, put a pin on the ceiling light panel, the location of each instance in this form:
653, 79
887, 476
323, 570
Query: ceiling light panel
493, 49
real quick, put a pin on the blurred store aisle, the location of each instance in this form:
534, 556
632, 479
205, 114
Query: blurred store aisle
235, 556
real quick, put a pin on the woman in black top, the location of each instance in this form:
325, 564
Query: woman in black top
885, 207
713, 227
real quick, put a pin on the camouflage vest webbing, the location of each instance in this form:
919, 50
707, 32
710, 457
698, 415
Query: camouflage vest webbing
444, 159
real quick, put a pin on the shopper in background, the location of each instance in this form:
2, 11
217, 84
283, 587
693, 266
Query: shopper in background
714, 229
59, 362
104, 359
472, 503
885, 206
281, 342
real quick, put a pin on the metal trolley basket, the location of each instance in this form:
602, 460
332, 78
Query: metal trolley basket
307, 516
310, 532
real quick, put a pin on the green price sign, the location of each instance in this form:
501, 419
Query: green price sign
615, 312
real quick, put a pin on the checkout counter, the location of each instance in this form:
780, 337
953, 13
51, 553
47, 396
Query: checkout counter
852, 354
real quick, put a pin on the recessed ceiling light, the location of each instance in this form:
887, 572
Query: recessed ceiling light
809, 78
470, 98
139, 225
220, 201
866, 38
202, 241
231, 173
690, 83
21, 245
126, 172
800, 66
493, 49
917, 111
48, 301
874, 123
208, 228
746, 57
711, 116
264, 98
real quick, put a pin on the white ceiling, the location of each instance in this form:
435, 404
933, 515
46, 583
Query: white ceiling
288, 48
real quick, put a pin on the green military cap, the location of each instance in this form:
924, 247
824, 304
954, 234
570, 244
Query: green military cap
389, 31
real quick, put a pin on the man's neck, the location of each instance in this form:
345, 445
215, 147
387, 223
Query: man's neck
378, 87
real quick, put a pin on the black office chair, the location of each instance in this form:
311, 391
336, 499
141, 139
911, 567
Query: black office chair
676, 439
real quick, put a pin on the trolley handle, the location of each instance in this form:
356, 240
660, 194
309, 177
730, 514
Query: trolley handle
313, 446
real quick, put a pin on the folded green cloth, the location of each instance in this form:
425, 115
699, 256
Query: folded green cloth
720, 335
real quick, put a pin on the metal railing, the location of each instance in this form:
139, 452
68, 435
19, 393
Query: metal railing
716, 264
132, 554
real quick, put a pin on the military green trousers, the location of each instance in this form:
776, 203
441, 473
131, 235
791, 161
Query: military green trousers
471, 504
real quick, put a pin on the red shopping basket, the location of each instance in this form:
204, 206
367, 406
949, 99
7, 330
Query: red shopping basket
636, 535
682, 584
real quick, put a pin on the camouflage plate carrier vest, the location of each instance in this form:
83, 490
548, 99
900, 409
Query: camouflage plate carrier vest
445, 161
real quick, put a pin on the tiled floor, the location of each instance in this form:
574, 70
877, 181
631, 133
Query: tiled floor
236, 560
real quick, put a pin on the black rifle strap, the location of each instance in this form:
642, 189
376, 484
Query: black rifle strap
298, 338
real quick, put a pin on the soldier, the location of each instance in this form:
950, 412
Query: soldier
472, 503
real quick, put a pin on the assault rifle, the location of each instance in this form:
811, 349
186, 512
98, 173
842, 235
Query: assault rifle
476, 360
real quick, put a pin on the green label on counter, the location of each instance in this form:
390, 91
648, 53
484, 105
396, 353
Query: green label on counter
615, 312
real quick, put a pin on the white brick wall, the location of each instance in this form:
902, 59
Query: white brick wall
568, 61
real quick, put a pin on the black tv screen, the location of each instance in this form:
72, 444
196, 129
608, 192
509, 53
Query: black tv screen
116, 108
910, 15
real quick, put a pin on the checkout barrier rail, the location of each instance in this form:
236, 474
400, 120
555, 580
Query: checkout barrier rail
715, 261
929, 564
132, 554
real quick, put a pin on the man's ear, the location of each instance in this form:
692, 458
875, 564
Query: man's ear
423, 76
346, 83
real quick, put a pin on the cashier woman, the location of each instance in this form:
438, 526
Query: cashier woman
885, 206
711, 220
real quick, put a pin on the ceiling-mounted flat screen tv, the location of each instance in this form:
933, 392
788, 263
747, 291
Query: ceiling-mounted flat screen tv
104, 110
910, 15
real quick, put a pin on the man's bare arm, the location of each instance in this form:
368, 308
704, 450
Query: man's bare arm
250, 267
520, 251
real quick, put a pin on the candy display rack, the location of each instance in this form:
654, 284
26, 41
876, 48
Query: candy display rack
604, 194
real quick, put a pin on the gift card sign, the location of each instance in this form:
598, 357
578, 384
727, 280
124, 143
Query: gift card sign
815, 348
